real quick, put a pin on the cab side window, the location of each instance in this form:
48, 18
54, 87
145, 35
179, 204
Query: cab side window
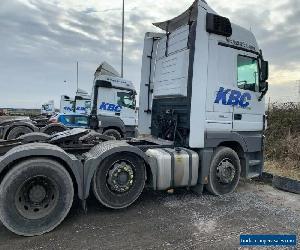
247, 68
126, 100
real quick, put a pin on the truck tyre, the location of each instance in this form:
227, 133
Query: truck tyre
224, 172
16, 132
113, 133
54, 130
35, 196
119, 180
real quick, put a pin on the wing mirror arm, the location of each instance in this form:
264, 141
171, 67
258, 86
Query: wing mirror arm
264, 91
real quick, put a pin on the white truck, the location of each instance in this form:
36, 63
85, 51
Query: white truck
82, 102
66, 105
114, 111
112, 107
202, 115
48, 108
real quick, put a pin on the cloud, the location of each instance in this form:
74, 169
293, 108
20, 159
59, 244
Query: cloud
41, 40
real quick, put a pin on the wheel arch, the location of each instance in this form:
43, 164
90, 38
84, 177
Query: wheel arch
100, 152
56, 125
19, 124
41, 150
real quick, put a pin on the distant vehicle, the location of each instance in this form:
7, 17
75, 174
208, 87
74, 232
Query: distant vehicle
71, 120
48, 108
66, 105
81, 104
112, 106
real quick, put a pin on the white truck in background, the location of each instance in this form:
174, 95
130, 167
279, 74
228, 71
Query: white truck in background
66, 105
82, 102
112, 107
202, 109
114, 111
48, 108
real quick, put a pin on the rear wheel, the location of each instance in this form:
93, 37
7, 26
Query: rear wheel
224, 172
35, 197
16, 132
113, 133
119, 180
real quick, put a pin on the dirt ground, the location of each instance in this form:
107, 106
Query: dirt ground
172, 221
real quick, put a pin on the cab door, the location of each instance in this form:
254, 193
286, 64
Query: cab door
221, 79
107, 102
250, 115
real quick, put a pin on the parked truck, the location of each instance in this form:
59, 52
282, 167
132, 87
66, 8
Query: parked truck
48, 108
110, 110
66, 105
202, 117
114, 111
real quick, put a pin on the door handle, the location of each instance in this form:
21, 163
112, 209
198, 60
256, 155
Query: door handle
223, 116
118, 114
238, 117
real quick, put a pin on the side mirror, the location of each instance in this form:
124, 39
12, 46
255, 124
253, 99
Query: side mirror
264, 87
264, 71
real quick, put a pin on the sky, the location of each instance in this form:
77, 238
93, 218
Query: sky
41, 40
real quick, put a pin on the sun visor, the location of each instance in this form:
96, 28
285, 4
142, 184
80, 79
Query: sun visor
107, 70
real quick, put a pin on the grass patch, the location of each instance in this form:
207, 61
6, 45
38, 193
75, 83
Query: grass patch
287, 169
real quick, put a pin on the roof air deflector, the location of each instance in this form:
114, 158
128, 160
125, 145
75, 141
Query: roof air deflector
185, 18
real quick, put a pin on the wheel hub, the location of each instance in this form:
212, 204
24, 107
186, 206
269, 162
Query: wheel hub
226, 171
121, 177
37, 193
36, 197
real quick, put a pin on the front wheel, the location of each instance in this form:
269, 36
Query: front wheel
35, 197
119, 180
224, 172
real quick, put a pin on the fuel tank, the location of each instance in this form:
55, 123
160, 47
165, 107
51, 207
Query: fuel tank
175, 167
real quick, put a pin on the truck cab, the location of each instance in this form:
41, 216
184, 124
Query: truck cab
114, 104
203, 86
82, 102
48, 108
66, 105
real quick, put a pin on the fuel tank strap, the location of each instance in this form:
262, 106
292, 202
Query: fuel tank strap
190, 165
172, 184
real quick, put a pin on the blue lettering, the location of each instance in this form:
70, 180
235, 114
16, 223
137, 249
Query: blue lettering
118, 108
222, 96
103, 106
234, 98
111, 107
80, 108
244, 100
67, 108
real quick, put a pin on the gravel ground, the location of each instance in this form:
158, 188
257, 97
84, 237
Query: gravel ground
172, 221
